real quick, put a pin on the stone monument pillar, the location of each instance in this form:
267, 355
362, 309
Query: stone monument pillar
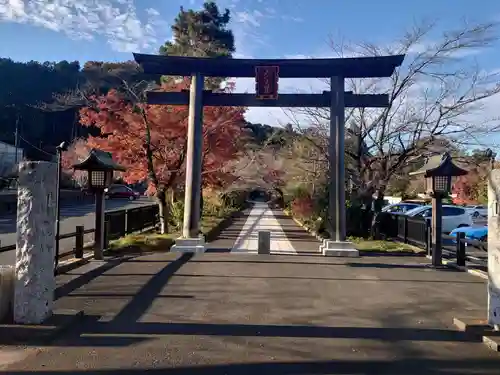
36, 217
494, 249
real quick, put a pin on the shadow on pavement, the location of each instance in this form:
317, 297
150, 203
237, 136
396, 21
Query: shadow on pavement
417, 366
126, 330
410, 266
224, 225
149, 330
121, 334
218, 250
133, 311
331, 279
87, 277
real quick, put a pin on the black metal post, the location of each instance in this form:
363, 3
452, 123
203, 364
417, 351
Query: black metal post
460, 249
428, 237
405, 230
80, 231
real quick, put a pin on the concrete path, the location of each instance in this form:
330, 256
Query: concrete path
286, 236
261, 218
265, 314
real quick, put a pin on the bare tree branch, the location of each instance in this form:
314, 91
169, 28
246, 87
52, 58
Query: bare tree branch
439, 93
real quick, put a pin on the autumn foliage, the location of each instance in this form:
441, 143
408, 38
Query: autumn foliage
303, 206
275, 178
123, 126
471, 188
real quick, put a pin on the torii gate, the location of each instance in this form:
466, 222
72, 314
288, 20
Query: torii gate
267, 73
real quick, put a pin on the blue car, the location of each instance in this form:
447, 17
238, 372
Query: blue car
472, 233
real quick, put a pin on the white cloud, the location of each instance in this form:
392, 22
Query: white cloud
248, 18
152, 12
115, 20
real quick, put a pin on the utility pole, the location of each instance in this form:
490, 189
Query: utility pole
16, 141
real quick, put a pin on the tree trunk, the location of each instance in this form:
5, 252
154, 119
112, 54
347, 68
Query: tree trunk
172, 197
360, 212
161, 199
202, 202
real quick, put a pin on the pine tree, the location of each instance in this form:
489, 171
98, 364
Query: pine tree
202, 33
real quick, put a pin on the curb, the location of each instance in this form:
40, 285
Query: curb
474, 272
303, 226
44, 333
389, 254
479, 329
73, 263
215, 231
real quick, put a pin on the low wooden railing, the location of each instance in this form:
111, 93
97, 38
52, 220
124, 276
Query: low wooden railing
118, 223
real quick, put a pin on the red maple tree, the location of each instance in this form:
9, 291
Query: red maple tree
151, 140
466, 188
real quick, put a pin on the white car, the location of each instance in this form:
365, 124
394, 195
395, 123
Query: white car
477, 211
453, 216
401, 207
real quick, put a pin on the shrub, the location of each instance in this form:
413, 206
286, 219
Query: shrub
299, 192
234, 199
177, 214
303, 207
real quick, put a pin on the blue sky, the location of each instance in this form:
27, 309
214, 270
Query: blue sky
111, 29
81, 30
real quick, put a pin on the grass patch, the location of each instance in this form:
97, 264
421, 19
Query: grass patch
155, 242
383, 246
142, 242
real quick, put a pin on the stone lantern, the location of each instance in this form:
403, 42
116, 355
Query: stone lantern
100, 167
438, 172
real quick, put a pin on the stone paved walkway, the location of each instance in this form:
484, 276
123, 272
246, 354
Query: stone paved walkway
286, 236
225, 313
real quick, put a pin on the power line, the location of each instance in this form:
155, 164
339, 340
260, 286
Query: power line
36, 148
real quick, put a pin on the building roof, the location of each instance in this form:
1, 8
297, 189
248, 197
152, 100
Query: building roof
9, 144
440, 165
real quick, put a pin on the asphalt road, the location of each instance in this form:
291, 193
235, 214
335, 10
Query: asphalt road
72, 216
227, 313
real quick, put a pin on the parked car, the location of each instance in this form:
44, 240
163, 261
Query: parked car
473, 233
121, 192
477, 211
453, 216
400, 207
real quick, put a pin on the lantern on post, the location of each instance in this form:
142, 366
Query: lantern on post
438, 172
100, 167
490, 155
